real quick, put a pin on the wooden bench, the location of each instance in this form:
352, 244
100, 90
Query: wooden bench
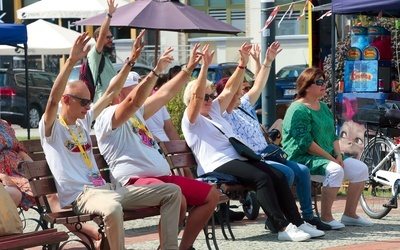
49, 238
182, 162
42, 184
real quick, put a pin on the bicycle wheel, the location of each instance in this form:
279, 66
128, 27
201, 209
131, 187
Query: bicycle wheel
375, 194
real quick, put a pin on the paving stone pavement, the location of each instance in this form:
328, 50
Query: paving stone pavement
384, 234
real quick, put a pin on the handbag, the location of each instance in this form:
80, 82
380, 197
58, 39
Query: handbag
241, 148
10, 222
244, 150
272, 152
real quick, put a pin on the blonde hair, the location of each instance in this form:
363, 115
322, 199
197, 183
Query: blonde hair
189, 90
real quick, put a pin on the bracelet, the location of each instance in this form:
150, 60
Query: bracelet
109, 15
267, 66
157, 75
129, 63
241, 67
186, 70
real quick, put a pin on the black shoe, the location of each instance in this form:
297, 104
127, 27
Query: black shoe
318, 223
235, 216
268, 225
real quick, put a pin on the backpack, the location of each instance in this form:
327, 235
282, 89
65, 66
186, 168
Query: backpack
85, 75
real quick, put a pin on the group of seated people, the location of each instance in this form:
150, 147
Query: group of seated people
140, 175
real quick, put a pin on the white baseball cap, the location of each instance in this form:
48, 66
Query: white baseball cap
132, 79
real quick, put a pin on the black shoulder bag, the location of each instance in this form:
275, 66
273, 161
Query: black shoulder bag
272, 152
241, 148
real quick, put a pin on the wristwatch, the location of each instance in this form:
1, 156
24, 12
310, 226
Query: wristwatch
129, 63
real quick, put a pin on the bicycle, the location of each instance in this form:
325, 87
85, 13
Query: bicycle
382, 156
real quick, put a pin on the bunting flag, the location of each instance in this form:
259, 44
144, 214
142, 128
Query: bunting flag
328, 13
304, 10
380, 15
290, 8
271, 17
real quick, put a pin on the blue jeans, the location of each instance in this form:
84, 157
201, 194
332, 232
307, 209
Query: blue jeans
301, 175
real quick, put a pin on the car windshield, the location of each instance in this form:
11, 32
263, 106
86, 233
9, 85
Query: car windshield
289, 73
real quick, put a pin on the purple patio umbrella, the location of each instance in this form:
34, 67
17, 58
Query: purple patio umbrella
168, 15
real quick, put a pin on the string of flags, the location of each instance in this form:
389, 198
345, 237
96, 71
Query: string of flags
290, 11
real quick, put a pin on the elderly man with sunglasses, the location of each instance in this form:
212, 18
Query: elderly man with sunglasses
67, 145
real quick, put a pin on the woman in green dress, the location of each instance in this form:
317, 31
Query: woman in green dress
309, 138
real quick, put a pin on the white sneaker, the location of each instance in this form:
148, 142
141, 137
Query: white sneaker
311, 230
292, 233
349, 221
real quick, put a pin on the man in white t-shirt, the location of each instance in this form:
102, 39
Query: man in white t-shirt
67, 145
134, 156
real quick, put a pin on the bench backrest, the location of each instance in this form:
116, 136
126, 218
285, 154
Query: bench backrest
180, 157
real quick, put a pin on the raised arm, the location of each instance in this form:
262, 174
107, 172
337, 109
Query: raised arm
262, 76
118, 82
198, 91
138, 95
255, 54
172, 87
235, 81
77, 52
105, 26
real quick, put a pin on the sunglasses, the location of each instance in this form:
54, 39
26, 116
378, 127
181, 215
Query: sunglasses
208, 96
319, 82
110, 37
84, 102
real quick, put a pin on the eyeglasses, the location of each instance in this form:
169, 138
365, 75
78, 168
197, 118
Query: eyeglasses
208, 96
110, 37
84, 102
319, 82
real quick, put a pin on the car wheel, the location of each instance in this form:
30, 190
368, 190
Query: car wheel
34, 116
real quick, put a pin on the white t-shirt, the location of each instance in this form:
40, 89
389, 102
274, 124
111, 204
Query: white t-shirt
210, 147
130, 150
156, 124
65, 159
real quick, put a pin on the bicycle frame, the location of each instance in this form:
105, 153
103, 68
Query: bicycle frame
384, 177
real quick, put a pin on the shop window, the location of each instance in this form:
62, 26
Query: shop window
217, 3
218, 14
238, 19
237, 2
197, 3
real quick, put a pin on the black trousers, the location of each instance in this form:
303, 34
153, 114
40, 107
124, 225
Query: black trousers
273, 192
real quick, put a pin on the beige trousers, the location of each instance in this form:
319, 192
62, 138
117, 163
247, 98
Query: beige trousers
109, 202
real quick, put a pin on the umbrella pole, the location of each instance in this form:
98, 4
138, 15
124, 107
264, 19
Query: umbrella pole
156, 48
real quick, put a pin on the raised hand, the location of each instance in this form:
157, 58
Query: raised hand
255, 52
164, 60
137, 47
244, 54
78, 50
272, 51
111, 7
195, 57
207, 57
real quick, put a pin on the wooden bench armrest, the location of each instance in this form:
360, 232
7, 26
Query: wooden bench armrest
38, 238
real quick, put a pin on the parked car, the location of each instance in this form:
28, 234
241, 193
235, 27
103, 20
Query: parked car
139, 68
13, 95
218, 71
286, 82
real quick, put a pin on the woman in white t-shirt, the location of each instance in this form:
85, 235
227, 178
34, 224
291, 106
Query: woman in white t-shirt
213, 151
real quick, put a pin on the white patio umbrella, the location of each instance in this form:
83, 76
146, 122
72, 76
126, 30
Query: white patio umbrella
46, 38
65, 8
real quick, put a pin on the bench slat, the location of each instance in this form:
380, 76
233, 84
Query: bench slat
38, 238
